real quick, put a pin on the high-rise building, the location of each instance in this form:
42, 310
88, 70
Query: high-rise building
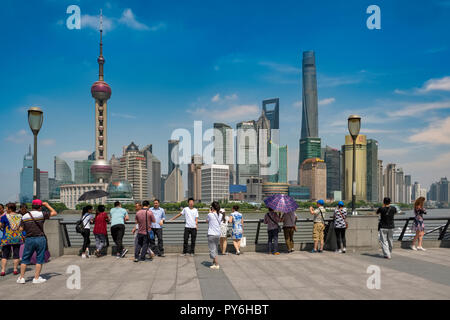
44, 192
26, 178
101, 169
224, 147
62, 171
408, 188
174, 157
443, 191
332, 158
215, 183
390, 177
173, 186
400, 185
254, 189
380, 180
310, 115
282, 175
195, 177
54, 189
264, 144
133, 168
115, 165
314, 176
416, 190
83, 171
246, 151
153, 174
372, 171
360, 168
273, 114
163, 187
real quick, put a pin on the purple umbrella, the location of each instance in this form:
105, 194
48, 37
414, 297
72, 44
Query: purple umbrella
281, 203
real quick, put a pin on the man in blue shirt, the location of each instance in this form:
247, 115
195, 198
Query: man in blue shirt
160, 218
118, 218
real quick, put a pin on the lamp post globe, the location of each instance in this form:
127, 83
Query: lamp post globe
35, 120
354, 126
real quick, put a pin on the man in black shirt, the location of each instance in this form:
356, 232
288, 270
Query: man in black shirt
386, 227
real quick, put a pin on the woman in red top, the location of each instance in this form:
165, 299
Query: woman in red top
101, 221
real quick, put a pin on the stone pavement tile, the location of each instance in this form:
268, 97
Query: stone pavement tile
290, 282
99, 289
189, 295
191, 284
159, 296
280, 295
163, 286
252, 295
132, 290
313, 293
243, 284
439, 256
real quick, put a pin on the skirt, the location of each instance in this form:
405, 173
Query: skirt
213, 245
418, 225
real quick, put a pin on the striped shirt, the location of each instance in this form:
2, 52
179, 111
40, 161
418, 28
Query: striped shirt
32, 228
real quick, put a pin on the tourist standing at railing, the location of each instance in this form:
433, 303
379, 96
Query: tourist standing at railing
12, 237
319, 226
289, 227
157, 228
386, 227
340, 225
272, 219
237, 228
214, 219
35, 240
418, 224
118, 218
144, 219
100, 229
86, 220
224, 232
191, 226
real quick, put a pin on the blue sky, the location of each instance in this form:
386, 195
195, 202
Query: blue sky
170, 63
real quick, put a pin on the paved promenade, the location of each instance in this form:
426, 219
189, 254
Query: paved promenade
300, 275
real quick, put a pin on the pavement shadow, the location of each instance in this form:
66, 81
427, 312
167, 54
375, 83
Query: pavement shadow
373, 255
50, 275
207, 264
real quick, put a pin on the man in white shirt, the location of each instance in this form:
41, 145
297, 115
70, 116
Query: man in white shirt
191, 217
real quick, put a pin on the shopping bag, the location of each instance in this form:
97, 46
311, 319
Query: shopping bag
244, 242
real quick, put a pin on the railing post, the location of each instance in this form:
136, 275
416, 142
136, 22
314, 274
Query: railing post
444, 231
400, 238
257, 231
66, 234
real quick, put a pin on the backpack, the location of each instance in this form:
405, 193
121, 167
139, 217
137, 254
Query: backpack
79, 227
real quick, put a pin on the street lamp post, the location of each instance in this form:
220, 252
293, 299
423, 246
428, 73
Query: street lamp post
35, 119
354, 125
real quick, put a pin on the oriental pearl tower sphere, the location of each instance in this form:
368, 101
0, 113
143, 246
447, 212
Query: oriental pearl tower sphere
101, 169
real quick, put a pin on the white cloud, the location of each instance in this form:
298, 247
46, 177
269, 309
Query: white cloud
122, 115
419, 109
395, 152
19, 137
442, 84
233, 96
398, 91
326, 101
230, 97
233, 113
129, 19
216, 98
47, 142
331, 81
93, 22
430, 169
298, 104
282, 68
437, 133
75, 155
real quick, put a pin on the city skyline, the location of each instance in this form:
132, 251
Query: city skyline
392, 97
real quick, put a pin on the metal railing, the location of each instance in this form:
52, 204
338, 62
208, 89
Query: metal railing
441, 227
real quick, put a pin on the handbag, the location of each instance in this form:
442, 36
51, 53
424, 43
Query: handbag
78, 227
279, 228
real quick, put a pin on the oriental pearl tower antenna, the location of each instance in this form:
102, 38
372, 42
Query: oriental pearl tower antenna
101, 169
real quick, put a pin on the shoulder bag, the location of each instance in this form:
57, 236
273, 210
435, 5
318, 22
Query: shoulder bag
79, 227
279, 228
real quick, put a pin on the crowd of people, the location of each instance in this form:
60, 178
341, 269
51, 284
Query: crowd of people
26, 228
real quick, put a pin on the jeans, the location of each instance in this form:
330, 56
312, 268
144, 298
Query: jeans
142, 246
289, 237
273, 240
193, 233
100, 241
86, 239
340, 237
157, 249
386, 241
34, 244
117, 232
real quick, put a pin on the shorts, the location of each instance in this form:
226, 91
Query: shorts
34, 244
6, 251
318, 229
213, 244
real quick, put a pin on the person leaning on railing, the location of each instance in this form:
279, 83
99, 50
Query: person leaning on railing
418, 224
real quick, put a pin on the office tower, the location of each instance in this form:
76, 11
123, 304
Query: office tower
195, 177
153, 174
254, 189
54, 189
372, 171
173, 186
380, 181
443, 191
274, 114
282, 175
44, 192
174, 157
390, 181
246, 151
83, 171
263, 149
62, 171
400, 185
299, 193
433, 193
101, 169
133, 168
332, 158
309, 145
115, 165
314, 176
215, 183
361, 168
91, 156
224, 147
163, 186
26, 178
408, 188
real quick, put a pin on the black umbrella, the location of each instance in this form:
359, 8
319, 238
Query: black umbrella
94, 194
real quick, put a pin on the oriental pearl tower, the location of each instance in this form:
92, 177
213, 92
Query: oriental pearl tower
101, 169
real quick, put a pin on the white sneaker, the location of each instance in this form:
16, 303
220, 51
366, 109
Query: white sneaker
20, 280
422, 249
344, 250
214, 266
83, 256
87, 253
39, 280
414, 248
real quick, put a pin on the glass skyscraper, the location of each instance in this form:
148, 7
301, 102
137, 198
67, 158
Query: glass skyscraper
26, 179
62, 171
309, 140
372, 171
83, 172
173, 149
274, 114
246, 151
332, 159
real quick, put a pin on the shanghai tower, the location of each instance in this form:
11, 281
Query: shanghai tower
309, 145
